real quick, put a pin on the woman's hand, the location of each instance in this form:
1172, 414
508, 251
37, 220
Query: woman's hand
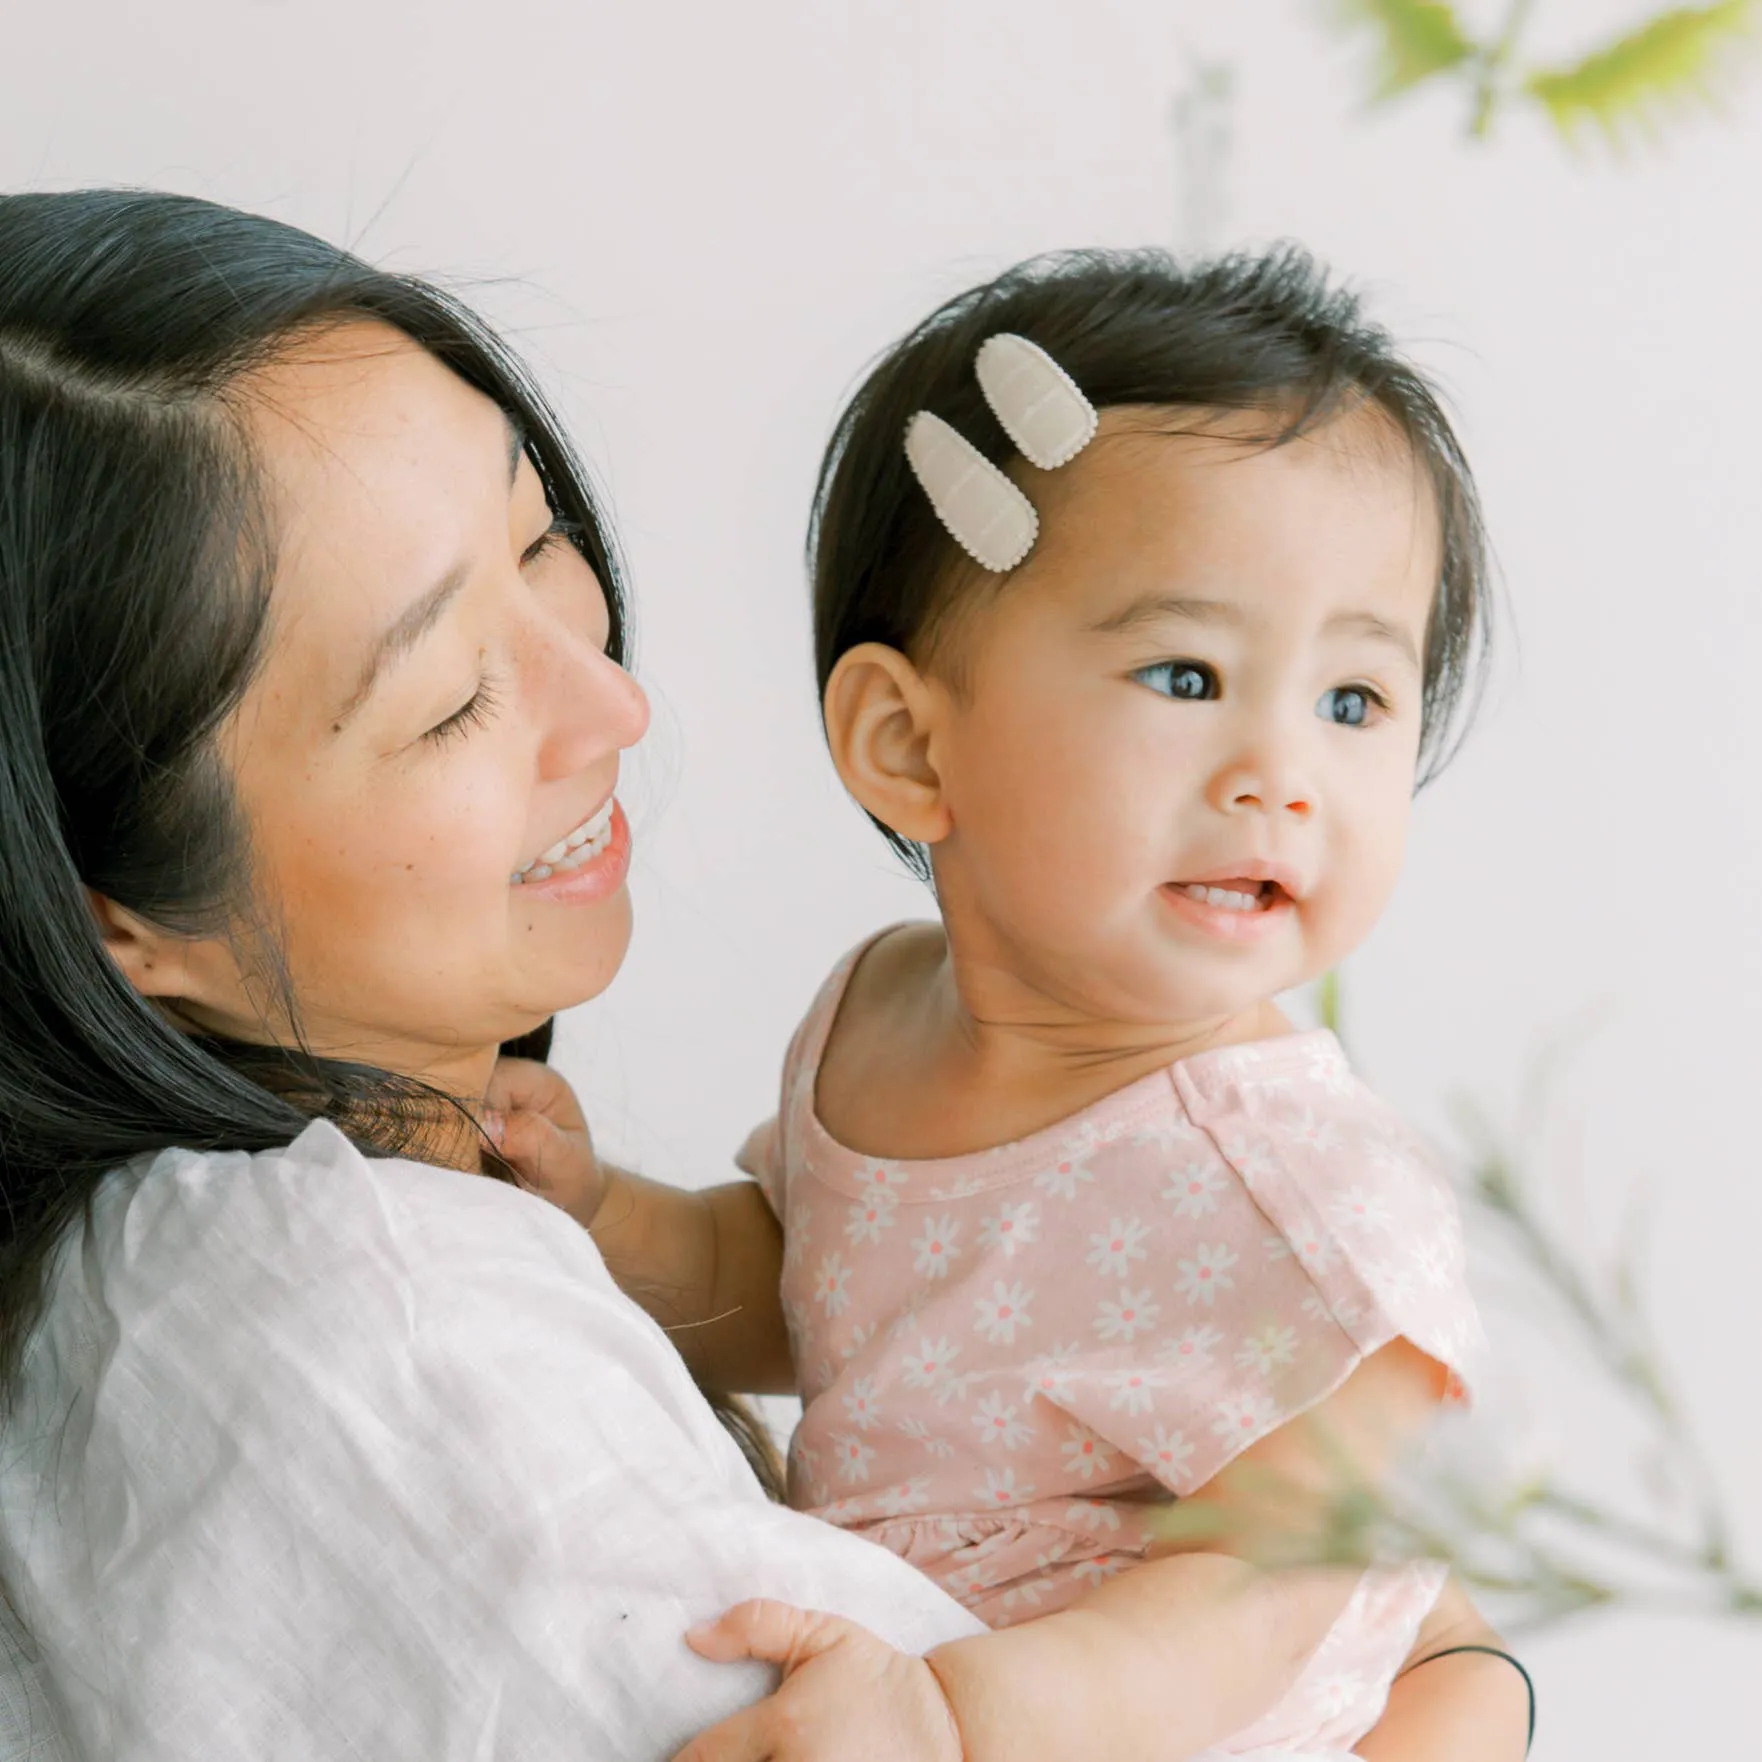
845, 1696
535, 1122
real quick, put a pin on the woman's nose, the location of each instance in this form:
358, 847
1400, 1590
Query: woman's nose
593, 709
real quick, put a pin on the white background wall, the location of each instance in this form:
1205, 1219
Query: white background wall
702, 219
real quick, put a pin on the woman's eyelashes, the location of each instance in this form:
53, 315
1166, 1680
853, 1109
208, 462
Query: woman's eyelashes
561, 531
472, 714
1190, 681
482, 703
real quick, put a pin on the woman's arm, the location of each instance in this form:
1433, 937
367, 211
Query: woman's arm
426, 1484
706, 1265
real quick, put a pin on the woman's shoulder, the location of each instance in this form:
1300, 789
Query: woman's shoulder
199, 1271
407, 1405
283, 1221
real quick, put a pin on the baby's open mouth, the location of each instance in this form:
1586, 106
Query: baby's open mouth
1234, 896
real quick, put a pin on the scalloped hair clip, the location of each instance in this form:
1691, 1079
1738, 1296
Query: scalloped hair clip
1043, 412
1037, 402
986, 515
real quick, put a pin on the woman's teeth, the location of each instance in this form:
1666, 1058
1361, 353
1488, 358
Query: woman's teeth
1226, 899
580, 846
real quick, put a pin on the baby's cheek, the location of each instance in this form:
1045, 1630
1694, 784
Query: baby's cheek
1359, 892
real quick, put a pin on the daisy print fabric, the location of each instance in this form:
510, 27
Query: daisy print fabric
1009, 1360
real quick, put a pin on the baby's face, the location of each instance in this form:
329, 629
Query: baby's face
1179, 760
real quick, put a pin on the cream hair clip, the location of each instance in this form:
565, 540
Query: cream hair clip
1041, 410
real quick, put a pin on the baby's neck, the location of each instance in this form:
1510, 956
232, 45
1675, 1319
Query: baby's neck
936, 1055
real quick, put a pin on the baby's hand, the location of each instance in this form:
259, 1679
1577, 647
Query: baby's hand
845, 1697
536, 1123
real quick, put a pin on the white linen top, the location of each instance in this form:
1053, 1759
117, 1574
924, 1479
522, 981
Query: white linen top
321, 1457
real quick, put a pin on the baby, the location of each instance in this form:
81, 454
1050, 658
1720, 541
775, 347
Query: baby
1145, 595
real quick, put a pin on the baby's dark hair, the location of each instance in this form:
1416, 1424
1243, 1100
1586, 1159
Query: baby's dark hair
1260, 332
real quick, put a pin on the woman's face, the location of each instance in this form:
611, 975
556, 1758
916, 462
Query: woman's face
435, 717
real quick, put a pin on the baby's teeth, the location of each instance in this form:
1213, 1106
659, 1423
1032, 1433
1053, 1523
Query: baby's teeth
1223, 898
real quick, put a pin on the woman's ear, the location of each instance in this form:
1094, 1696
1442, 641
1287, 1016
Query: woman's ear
154, 962
882, 717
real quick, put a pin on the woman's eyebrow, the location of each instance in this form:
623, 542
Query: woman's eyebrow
421, 615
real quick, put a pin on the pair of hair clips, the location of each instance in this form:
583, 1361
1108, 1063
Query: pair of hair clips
1043, 412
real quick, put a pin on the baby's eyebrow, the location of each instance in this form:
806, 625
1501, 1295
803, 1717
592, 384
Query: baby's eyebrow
1380, 629
1155, 608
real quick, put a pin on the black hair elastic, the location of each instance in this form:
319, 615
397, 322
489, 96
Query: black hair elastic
1491, 1652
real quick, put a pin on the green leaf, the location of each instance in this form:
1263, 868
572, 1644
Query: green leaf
1667, 66
1416, 40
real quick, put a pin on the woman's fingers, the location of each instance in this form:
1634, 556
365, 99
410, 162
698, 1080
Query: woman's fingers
741, 1737
773, 1633
846, 1696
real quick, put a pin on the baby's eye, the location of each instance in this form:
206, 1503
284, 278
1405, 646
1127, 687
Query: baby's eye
1348, 706
1191, 680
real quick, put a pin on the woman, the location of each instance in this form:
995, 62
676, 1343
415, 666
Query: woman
319, 1443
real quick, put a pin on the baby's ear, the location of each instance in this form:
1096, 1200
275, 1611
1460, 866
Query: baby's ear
882, 717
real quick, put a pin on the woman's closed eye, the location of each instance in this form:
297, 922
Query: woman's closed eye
1189, 681
1352, 706
481, 705
473, 713
559, 533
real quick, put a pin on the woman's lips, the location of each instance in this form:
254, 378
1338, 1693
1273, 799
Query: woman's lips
596, 879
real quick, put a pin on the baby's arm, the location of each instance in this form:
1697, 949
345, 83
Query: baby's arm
1165, 1659
1462, 1706
706, 1265
1195, 1643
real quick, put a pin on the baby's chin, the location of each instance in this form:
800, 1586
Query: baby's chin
1175, 987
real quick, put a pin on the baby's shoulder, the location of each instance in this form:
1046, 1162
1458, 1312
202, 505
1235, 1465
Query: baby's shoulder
1296, 1089
883, 977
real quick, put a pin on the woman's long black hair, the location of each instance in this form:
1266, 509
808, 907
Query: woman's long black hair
135, 568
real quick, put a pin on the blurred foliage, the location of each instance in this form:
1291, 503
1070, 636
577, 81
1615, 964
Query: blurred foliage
1631, 87
1541, 1543
1529, 1538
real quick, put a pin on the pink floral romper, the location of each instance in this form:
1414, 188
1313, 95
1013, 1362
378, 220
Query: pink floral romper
1009, 1360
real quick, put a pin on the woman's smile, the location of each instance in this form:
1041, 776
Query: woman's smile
594, 860
574, 848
